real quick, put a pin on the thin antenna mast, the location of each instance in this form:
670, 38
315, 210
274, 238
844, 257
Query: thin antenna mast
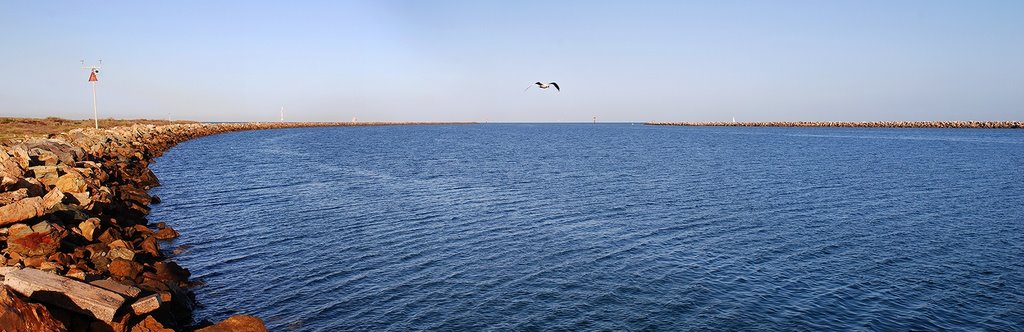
93, 70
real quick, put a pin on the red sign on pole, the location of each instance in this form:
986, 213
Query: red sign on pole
92, 77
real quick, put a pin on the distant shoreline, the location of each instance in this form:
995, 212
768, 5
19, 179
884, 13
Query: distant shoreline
844, 124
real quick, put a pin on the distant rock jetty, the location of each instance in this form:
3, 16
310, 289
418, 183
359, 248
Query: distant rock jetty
872, 124
78, 253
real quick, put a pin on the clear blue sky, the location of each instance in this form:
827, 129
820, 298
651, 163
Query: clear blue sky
471, 60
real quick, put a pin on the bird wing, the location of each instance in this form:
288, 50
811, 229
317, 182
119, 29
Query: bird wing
556, 86
528, 87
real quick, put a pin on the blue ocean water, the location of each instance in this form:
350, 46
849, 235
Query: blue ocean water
602, 227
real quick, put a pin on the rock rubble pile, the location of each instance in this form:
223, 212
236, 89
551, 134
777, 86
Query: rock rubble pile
75, 237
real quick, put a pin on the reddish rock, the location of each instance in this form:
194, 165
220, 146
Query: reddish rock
110, 235
143, 230
238, 323
124, 268
150, 247
150, 325
18, 315
166, 233
26, 242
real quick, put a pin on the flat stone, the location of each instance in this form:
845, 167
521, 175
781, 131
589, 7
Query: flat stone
127, 291
4, 270
65, 293
146, 304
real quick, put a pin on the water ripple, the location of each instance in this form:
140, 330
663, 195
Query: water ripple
603, 227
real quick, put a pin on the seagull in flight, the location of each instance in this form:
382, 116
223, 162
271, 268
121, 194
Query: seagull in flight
544, 86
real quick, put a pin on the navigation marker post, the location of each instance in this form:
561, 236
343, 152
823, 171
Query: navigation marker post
282, 113
93, 70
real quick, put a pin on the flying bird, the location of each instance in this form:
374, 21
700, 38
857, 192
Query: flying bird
544, 86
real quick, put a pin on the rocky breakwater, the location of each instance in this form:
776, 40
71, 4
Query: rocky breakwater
78, 253
871, 124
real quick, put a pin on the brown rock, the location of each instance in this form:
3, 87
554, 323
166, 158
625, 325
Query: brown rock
18, 315
110, 235
150, 325
238, 323
171, 271
166, 233
22, 210
71, 183
150, 246
13, 196
119, 244
142, 229
146, 304
52, 198
124, 268
121, 252
10, 172
75, 273
89, 227
100, 263
82, 198
33, 261
45, 174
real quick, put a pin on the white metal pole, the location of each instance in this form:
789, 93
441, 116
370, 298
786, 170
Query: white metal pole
95, 116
